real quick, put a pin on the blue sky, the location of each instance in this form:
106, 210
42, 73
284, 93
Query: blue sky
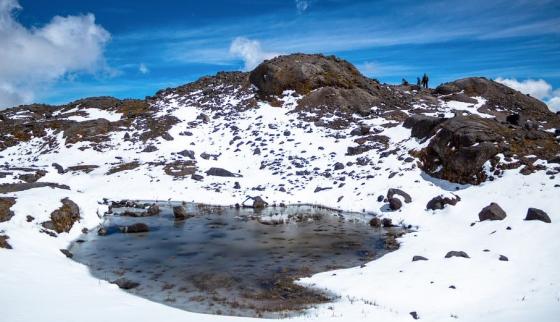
152, 45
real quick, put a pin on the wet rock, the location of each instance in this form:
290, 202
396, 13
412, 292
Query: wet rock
492, 212
4, 242
387, 222
503, 258
153, 210
126, 284
395, 203
419, 258
393, 191
67, 253
102, 231
135, 228
455, 253
180, 213
422, 126
219, 172
375, 222
5, 205
440, 201
63, 218
259, 203
537, 214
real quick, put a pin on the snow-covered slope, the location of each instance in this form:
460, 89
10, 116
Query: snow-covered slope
284, 150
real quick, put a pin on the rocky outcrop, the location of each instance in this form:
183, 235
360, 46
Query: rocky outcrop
422, 126
63, 218
4, 242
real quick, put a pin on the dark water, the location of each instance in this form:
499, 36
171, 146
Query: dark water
230, 261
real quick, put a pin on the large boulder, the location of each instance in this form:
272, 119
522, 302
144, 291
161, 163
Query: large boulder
63, 218
492, 212
422, 126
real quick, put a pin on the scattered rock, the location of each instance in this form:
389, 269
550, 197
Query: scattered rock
393, 191
338, 166
492, 212
422, 126
259, 203
4, 242
440, 201
362, 130
67, 253
375, 222
219, 172
197, 177
126, 284
419, 258
395, 203
58, 168
187, 153
102, 231
387, 222
414, 315
537, 214
63, 218
153, 210
455, 253
5, 205
135, 228
503, 258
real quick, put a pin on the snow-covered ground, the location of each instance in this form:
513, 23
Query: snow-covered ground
38, 283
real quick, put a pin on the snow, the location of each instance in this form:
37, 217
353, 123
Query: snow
40, 284
93, 114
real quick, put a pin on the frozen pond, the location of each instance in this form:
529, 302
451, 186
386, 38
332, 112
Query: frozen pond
229, 261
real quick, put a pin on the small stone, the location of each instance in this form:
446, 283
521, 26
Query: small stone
126, 284
455, 253
414, 315
395, 203
67, 253
503, 258
419, 258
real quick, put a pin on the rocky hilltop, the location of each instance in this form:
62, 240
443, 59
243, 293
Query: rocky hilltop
465, 123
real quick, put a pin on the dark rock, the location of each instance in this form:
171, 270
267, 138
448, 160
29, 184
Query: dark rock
454, 253
422, 126
135, 228
5, 205
58, 168
102, 231
395, 203
150, 148
319, 189
362, 130
219, 172
180, 168
419, 258
197, 177
15, 187
338, 166
126, 284
492, 212
236, 185
67, 253
387, 222
414, 315
380, 198
4, 242
537, 214
375, 222
63, 218
187, 153
440, 201
393, 191
259, 203
503, 258
515, 119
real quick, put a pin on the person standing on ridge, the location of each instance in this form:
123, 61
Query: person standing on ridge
425, 80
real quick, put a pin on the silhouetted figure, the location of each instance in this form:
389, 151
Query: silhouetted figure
425, 80
405, 82
418, 82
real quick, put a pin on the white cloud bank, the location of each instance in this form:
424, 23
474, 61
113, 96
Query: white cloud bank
250, 51
537, 88
32, 58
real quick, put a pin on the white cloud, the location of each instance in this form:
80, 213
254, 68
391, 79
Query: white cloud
33, 58
538, 88
250, 51
301, 5
143, 69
